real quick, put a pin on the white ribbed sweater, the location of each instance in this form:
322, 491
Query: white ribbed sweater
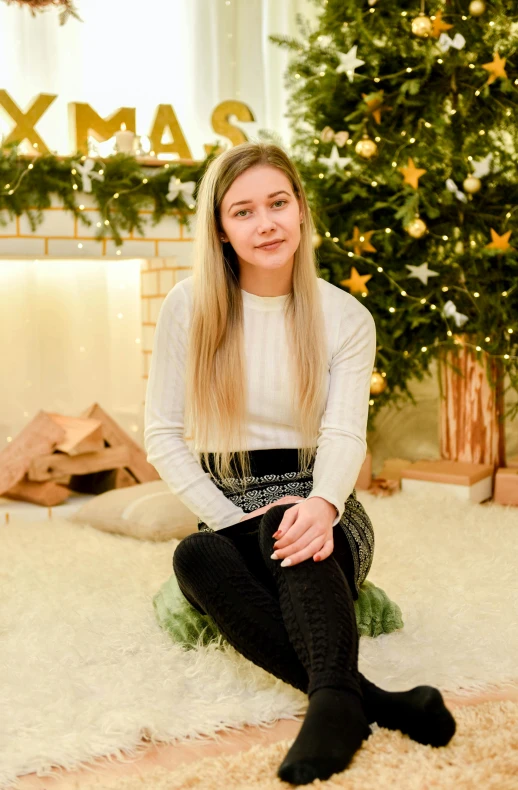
341, 442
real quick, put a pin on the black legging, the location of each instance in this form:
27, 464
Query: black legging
296, 622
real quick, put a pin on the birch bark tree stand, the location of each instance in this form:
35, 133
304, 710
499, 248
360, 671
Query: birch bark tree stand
472, 411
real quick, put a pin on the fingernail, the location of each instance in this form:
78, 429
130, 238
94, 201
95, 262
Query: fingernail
276, 534
285, 562
274, 556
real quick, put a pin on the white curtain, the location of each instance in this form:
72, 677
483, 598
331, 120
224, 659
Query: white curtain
68, 329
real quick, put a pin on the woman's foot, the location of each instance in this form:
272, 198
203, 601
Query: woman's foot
334, 728
420, 713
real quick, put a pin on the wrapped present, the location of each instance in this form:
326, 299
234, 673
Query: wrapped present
506, 486
463, 480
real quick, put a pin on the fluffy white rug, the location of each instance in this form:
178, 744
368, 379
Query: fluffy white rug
86, 671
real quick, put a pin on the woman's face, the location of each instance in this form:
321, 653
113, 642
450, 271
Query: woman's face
267, 210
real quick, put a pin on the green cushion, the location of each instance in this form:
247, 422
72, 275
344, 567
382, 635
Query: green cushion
375, 614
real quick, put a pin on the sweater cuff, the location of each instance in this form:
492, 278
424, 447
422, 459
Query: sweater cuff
331, 501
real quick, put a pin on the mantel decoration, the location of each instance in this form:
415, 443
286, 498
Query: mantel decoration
120, 186
68, 8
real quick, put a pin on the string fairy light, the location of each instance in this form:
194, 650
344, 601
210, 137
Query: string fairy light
423, 301
12, 189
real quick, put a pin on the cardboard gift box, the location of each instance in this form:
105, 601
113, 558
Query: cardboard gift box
506, 486
470, 482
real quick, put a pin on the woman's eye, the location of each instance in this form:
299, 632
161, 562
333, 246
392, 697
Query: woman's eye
246, 209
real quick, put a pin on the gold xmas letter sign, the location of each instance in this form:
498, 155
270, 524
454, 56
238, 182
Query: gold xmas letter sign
84, 121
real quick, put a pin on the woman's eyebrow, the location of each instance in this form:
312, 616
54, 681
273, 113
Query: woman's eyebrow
240, 202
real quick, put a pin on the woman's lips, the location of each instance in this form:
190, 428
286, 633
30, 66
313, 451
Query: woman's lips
271, 246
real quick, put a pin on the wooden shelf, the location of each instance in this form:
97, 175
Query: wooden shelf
145, 161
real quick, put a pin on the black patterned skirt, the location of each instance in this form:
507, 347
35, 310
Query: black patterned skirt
275, 474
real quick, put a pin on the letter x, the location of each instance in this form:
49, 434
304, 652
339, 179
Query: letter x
25, 122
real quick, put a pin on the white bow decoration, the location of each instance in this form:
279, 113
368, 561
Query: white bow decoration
452, 187
450, 311
482, 167
176, 188
445, 42
328, 135
87, 172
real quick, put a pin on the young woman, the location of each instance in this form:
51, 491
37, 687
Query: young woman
268, 367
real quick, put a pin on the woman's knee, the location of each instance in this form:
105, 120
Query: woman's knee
273, 516
192, 551
187, 554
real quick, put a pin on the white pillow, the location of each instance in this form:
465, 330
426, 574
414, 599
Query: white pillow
147, 511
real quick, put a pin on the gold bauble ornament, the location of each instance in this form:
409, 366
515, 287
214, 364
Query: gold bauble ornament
422, 26
417, 228
366, 148
378, 383
317, 240
471, 184
477, 7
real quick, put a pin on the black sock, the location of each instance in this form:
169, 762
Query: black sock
333, 730
420, 713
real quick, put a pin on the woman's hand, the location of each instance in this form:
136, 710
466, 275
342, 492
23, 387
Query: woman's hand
282, 501
306, 531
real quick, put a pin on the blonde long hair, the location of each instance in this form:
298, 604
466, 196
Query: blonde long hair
215, 390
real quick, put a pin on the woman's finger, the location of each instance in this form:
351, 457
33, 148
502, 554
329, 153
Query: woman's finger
325, 551
294, 537
304, 554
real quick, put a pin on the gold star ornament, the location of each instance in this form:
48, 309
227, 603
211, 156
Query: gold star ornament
360, 242
356, 282
411, 173
438, 26
496, 68
374, 102
499, 242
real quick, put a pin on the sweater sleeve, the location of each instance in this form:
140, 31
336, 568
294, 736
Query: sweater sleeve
342, 443
164, 440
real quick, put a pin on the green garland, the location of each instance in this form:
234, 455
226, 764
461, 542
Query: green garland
27, 185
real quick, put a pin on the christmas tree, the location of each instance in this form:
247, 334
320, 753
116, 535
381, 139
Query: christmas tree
404, 122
